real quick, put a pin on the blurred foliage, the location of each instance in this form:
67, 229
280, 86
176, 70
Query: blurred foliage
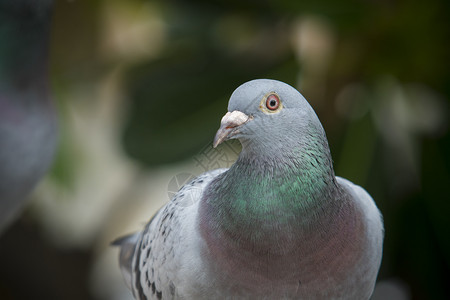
376, 72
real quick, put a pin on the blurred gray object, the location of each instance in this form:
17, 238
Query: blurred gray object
28, 124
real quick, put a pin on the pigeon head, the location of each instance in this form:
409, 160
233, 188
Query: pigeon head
270, 116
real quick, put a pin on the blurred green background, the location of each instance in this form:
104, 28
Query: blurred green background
141, 86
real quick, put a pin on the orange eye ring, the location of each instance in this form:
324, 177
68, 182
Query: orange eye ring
272, 102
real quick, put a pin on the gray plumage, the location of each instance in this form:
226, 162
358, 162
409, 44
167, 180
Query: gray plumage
278, 224
28, 125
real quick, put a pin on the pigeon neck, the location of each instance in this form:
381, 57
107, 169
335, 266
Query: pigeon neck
267, 200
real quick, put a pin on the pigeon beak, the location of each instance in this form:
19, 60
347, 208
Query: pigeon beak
228, 126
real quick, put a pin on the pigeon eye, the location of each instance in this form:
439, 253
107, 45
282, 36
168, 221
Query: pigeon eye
272, 102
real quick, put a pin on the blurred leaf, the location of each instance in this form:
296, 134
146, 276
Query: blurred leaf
356, 155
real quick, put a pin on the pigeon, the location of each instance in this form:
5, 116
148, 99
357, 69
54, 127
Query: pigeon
278, 224
28, 122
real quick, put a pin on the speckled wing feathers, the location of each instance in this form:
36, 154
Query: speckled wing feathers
162, 248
